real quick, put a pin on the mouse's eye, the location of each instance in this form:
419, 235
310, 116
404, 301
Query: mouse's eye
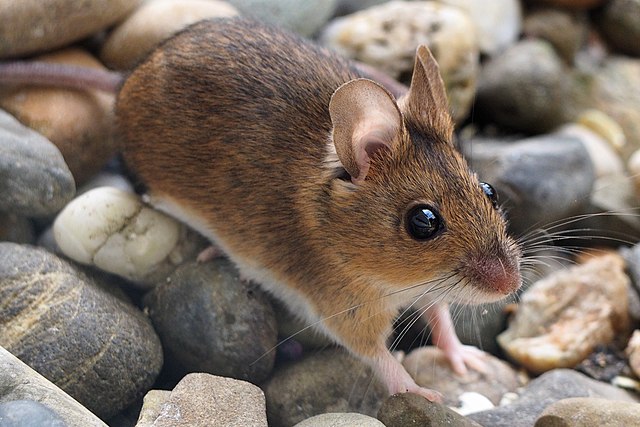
491, 193
423, 222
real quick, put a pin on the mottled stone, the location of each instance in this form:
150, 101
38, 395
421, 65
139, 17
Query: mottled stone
563, 317
28, 413
386, 37
31, 26
324, 381
151, 407
337, 419
19, 382
211, 321
203, 400
34, 178
408, 409
99, 349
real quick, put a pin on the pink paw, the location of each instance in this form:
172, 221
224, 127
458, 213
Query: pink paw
463, 357
208, 254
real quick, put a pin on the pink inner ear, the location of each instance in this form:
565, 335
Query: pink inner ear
366, 145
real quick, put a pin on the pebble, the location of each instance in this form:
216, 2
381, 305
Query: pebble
29, 27
48, 308
563, 317
498, 23
524, 88
541, 392
302, 17
113, 230
151, 407
589, 412
337, 419
620, 24
408, 409
16, 228
153, 22
633, 352
386, 37
209, 320
606, 161
34, 178
566, 30
28, 413
18, 382
325, 381
202, 400
539, 180
79, 123
429, 367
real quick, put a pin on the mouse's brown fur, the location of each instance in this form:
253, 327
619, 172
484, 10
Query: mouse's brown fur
230, 126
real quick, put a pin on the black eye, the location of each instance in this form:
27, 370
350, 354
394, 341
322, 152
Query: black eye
491, 193
423, 222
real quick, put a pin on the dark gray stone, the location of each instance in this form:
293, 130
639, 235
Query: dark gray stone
619, 21
19, 382
34, 178
27, 413
99, 349
539, 180
211, 321
542, 392
524, 88
566, 30
325, 381
408, 409
15, 228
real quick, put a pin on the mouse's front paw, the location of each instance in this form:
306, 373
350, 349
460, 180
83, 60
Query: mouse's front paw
427, 393
463, 357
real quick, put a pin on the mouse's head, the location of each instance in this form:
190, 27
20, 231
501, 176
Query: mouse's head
404, 205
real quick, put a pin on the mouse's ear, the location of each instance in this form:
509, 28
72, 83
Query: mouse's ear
426, 100
365, 119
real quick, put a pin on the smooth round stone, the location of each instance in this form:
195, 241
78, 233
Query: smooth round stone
408, 409
303, 17
113, 230
154, 22
620, 23
34, 178
589, 412
96, 347
211, 321
324, 381
498, 22
79, 123
30, 26
565, 30
339, 419
28, 413
386, 37
524, 89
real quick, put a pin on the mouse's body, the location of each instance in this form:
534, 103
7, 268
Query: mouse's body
319, 185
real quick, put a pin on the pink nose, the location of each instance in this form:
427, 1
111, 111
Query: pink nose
495, 274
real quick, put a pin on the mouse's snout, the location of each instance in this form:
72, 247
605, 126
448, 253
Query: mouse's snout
495, 276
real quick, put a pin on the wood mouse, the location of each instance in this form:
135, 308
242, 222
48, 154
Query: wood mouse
341, 200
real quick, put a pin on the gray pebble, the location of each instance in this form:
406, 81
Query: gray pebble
34, 178
539, 180
408, 409
524, 88
340, 419
542, 392
19, 382
325, 381
28, 413
99, 349
211, 321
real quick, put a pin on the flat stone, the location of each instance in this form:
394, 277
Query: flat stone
202, 400
34, 178
98, 348
151, 407
19, 382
